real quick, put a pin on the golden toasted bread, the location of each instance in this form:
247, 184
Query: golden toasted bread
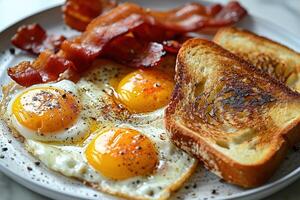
275, 59
238, 120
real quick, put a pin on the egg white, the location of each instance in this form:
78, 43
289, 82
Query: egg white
174, 166
76, 132
98, 94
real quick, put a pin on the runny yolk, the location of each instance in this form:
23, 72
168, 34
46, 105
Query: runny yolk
122, 153
46, 110
145, 90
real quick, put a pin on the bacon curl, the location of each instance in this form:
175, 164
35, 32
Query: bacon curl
34, 39
79, 13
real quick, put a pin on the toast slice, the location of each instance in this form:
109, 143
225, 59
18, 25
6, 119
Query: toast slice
277, 60
238, 120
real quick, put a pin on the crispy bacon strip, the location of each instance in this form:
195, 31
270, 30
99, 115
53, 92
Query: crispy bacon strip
79, 13
34, 39
171, 46
100, 32
24, 74
128, 50
47, 67
196, 17
54, 65
105, 36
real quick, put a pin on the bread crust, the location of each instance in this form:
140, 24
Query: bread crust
251, 36
277, 60
245, 175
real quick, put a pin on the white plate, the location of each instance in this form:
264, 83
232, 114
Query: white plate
16, 160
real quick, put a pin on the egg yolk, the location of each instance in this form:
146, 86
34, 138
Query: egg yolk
122, 153
46, 110
145, 90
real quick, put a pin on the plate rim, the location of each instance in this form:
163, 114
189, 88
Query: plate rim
261, 191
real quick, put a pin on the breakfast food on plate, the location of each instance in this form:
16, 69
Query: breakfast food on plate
97, 106
103, 106
99, 121
99, 131
238, 120
277, 60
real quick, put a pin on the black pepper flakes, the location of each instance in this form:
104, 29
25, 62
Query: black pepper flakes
4, 149
29, 168
222, 180
151, 193
12, 51
296, 148
286, 158
37, 163
2, 157
214, 192
138, 148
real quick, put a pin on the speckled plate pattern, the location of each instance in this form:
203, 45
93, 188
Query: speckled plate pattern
22, 167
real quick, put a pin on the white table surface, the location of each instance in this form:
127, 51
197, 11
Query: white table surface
285, 13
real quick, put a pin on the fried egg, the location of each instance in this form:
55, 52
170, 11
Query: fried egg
122, 93
117, 115
137, 162
48, 112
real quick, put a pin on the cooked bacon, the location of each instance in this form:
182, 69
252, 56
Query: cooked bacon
90, 45
195, 17
150, 32
47, 67
187, 18
171, 46
129, 51
79, 13
131, 35
34, 39
53, 67
24, 74
144, 25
